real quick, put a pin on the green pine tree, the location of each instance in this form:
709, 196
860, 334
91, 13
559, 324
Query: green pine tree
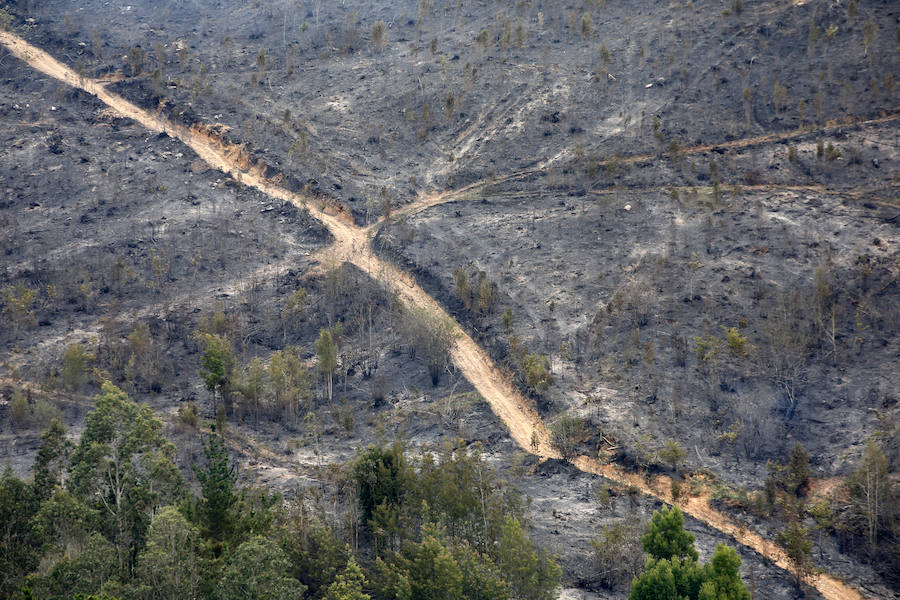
217, 479
673, 571
348, 585
666, 537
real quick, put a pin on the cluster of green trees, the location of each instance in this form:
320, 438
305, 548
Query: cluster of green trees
278, 390
481, 293
864, 517
113, 515
429, 337
88, 510
673, 570
448, 527
662, 564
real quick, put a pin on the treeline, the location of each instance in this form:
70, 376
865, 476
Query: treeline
861, 513
112, 515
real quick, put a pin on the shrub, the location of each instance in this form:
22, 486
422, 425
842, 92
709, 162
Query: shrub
187, 415
378, 30
463, 287
19, 411
706, 348
587, 25
487, 295
75, 361
6, 19
536, 368
44, 412
430, 336
795, 541
676, 490
618, 556
566, 433
673, 454
737, 343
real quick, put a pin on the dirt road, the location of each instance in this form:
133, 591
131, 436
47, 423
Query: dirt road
352, 245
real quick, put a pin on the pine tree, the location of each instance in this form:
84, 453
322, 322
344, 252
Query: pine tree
795, 541
530, 573
666, 537
217, 480
348, 585
673, 572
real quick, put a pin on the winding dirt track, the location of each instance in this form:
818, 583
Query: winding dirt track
435, 199
352, 245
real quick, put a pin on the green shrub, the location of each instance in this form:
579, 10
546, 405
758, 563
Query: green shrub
187, 415
19, 411
6, 19
536, 368
378, 29
737, 343
75, 361
618, 556
44, 412
672, 453
706, 348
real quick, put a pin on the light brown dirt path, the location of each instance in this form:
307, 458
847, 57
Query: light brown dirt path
351, 244
698, 507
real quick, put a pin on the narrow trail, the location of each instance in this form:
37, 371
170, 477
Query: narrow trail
427, 201
351, 244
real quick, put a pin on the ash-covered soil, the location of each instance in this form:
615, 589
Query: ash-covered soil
619, 248
462, 90
118, 221
617, 297
567, 520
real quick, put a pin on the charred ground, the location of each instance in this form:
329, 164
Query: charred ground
565, 122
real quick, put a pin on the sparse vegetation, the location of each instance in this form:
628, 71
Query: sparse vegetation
686, 281
6, 18
429, 337
378, 35
566, 433
617, 552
